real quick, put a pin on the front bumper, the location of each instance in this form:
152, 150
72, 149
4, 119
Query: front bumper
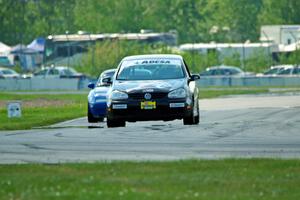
166, 109
98, 109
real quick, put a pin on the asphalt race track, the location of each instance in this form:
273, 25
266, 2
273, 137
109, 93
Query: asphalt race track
239, 127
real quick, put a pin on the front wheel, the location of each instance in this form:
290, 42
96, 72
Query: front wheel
111, 123
91, 118
194, 118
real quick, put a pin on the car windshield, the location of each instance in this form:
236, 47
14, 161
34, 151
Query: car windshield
272, 71
104, 75
151, 69
41, 72
108, 74
69, 72
8, 72
286, 71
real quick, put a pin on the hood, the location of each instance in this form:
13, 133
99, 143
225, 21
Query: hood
101, 89
150, 85
11, 76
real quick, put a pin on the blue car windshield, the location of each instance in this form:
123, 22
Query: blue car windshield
151, 70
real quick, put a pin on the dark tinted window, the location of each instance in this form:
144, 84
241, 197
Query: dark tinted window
41, 73
234, 71
296, 70
151, 69
69, 72
53, 72
272, 71
8, 72
286, 71
108, 74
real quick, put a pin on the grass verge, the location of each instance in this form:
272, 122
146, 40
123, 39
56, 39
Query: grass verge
41, 109
190, 179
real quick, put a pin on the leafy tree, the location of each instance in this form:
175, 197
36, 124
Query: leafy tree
236, 20
280, 12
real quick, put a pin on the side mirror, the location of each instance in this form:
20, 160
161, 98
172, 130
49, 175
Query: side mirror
91, 85
195, 77
107, 81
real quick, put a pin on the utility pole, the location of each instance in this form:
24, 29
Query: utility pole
23, 2
269, 51
93, 44
296, 47
67, 32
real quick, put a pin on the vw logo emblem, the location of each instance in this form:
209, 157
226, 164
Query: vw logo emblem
147, 96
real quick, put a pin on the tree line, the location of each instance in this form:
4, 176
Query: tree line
194, 20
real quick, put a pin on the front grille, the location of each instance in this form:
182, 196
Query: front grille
159, 112
157, 95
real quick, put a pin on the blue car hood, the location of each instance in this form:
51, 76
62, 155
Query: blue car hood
101, 89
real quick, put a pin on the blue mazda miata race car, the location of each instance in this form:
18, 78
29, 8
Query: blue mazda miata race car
97, 97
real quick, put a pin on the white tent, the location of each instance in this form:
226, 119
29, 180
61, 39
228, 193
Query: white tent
38, 44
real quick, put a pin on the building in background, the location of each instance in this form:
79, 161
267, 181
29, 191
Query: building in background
243, 50
6, 60
67, 49
30, 56
280, 34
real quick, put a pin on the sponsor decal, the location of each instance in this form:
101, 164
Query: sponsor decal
176, 105
119, 106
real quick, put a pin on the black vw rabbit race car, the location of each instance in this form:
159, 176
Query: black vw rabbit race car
152, 87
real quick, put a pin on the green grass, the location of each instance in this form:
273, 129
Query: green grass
191, 179
15, 96
61, 108
36, 117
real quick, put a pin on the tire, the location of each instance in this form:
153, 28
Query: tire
197, 118
111, 123
191, 120
91, 118
188, 120
101, 119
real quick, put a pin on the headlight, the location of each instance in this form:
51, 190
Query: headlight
91, 98
117, 95
178, 93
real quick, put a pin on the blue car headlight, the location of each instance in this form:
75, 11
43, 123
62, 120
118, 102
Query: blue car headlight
91, 98
97, 97
118, 95
178, 93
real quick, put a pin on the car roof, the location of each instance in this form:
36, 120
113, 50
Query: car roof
57, 67
4, 68
153, 56
223, 67
282, 66
109, 70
